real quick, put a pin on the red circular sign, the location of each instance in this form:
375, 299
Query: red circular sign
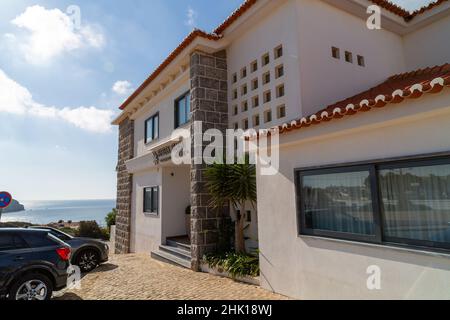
5, 199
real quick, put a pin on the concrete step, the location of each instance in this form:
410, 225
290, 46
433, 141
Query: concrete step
174, 243
176, 251
166, 257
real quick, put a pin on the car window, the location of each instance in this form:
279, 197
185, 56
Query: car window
6, 242
10, 241
60, 236
38, 240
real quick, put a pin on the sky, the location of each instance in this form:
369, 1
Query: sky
65, 67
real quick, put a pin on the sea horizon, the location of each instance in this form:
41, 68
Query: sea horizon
49, 211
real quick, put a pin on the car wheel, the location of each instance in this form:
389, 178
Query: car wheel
33, 286
87, 260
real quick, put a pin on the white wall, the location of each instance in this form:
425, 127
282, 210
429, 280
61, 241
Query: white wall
276, 29
145, 228
318, 268
325, 80
428, 46
176, 196
166, 117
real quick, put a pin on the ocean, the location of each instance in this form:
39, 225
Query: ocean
43, 212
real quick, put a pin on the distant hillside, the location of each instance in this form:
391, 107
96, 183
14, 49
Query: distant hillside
14, 207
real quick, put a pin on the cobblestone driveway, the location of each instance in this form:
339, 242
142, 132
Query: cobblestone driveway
139, 277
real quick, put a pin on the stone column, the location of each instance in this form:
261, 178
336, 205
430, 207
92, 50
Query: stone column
124, 187
209, 105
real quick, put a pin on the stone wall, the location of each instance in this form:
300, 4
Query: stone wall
209, 106
124, 187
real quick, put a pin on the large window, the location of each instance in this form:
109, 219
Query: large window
152, 128
403, 202
151, 200
182, 110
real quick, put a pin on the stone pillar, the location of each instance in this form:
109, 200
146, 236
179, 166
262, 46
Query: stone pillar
124, 187
209, 97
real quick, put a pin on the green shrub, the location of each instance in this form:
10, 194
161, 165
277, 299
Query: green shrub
91, 229
236, 264
111, 218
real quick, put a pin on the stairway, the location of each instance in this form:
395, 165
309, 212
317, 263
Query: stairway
176, 251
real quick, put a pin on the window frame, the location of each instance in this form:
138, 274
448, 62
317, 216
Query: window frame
154, 138
188, 116
152, 212
375, 166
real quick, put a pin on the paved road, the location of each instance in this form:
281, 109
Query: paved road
139, 277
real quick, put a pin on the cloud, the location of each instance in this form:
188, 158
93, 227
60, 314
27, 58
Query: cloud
16, 99
191, 17
122, 88
50, 33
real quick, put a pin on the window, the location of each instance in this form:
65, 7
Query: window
236, 126
245, 124
268, 116
348, 57
254, 66
278, 52
234, 77
281, 111
267, 96
266, 78
152, 128
255, 84
235, 94
361, 61
9, 241
265, 59
256, 120
244, 107
182, 110
38, 239
244, 90
279, 71
235, 110
399, 202
151, 200
255, 102
335, 53
243, 72
280, 91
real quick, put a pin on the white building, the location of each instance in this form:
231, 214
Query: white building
333, 212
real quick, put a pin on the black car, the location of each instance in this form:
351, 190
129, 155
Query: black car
33, 264
87, 253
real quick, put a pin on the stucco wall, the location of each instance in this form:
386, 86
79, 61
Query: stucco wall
325, 80
145, 228
261, 38
176, 196
318, 268
166, 110
428, 46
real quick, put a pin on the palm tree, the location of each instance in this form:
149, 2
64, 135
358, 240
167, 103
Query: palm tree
233, 184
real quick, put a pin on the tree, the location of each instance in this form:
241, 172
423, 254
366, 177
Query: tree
234, 184
111, 218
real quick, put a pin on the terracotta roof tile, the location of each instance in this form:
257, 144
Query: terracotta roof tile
234, 16
396, 89
408, 16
